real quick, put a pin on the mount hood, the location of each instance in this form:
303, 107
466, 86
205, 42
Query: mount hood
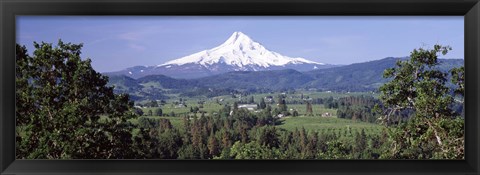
238, 53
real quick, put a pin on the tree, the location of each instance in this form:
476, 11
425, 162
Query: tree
149, 113
262, 104
235, 106
152, 103
213, 145
458, 78
138, 111
329, 103
360, 144
253, 150
416, 84
295, 113
226, 141
282, 106
158, 112
251, 100
169, 143
268, 136
59, 101
309, 109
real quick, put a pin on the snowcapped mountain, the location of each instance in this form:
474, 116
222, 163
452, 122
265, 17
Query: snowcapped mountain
238, 53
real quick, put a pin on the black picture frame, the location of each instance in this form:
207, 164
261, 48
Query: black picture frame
470, 9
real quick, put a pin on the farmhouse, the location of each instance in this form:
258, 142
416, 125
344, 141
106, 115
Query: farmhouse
181, 105
249, 107
326, 114
269, 99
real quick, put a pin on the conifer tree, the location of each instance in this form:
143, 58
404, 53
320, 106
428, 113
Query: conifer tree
158, 112
309, 109
262, 104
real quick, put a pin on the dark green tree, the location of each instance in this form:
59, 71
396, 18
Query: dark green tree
282, 106
253, 150
262, 104
309, 109
251, 100
433, 131
213, 145
158, 112
235, 106
59, 101
138, 111
458, 78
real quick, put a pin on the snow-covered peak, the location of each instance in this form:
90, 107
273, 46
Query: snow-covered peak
238, 38
239, 50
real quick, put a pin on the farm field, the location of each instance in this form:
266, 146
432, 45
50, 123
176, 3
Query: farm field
323, 119
328, 124
310, 123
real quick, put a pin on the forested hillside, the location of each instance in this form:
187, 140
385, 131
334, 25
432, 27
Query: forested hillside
359, 77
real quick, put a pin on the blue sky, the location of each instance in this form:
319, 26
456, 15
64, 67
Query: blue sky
117, 42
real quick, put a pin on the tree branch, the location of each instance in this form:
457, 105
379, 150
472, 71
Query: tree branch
439, 140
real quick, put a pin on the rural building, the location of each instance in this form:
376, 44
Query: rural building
326, 114
181, 105
250, 107
268, 99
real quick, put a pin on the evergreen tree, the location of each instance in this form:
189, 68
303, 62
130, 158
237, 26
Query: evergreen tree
282, 106
158, 112
138, 111
251, 100
269, 108
213, 145
235, 107
262, 104
153, 103
309, 109
226, 141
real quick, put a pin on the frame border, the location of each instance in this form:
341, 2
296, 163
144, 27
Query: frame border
470, 9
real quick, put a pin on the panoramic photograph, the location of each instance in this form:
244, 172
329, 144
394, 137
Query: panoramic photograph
240, 87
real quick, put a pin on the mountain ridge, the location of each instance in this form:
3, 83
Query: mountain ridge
359, 77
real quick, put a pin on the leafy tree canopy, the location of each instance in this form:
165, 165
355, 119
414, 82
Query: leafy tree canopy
434, 131
64, 108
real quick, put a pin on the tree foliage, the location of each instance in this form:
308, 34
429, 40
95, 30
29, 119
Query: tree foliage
64, 108
433, 130
158, 112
